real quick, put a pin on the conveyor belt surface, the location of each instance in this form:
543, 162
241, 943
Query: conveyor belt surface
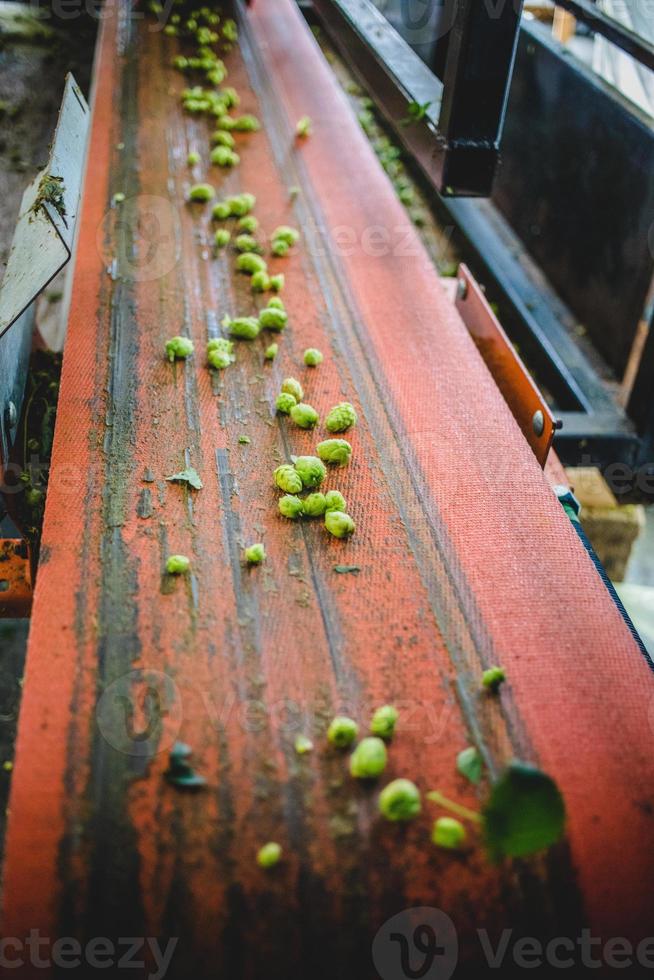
466, 560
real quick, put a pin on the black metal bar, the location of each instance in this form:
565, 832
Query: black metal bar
627, 40
478, 67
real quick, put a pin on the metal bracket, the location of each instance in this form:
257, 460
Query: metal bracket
42, 246
527, 405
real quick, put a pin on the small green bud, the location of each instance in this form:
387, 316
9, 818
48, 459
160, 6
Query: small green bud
335, 501
241, 204
230, 31
221, 343
312, 357
293, 387
303, 745
179, 348
277, 282
271, 352
305, 416
288, 479
248, 224
246, 124
368, 759
244, 440
230, 96
221, 211
177, 565
315, 505
219, 359
244, 327
334, 451
250, 263
222, 138
269, 855
275, 303
279, 248
222, 156
225, 122
341, 418
384, 721
255, 554
291, 506
339, 524
285, 402
400, 800
448, 833
118, 198
493, 678
170, 30
273, 319
342, 732
260, 282
303, 127
284, 233
311, 471
246, 243
221, 238
193, 158
201, 193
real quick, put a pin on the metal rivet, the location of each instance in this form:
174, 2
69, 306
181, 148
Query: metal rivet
538, 422
11, 416
461, 289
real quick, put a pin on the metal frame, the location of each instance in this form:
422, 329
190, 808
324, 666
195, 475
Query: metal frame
457, 139
615, 32
594, 425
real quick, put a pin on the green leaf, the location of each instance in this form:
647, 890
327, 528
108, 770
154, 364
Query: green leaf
524, 814
470, 764
345, 569
189, 475
415, 112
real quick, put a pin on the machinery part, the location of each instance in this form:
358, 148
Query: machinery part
15, 573
456, 134
529, 408
459, 535
42, 245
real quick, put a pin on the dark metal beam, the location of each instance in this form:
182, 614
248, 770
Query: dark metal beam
627, 40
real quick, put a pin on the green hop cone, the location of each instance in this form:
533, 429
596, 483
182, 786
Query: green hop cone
249, 223
221, 138
277, 282
284, 233
291, 507
221, 238
341, 418
310, 469
221, 211
260, 282
222, 156
271, 352
255, 554
276, 303
244, 327
293, 387
201, 193
269, 855
273, 319
335, 501
178, 348
342, 732
448, 833
339, 524
400, 800
315, 505
368, 759
312, 357
177, 565
384, 721
241, 204
336, 451
222, 344
287, 479
246, 243
305, 416
285, 402
493, 678
249, 263
219, 359
279, 248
